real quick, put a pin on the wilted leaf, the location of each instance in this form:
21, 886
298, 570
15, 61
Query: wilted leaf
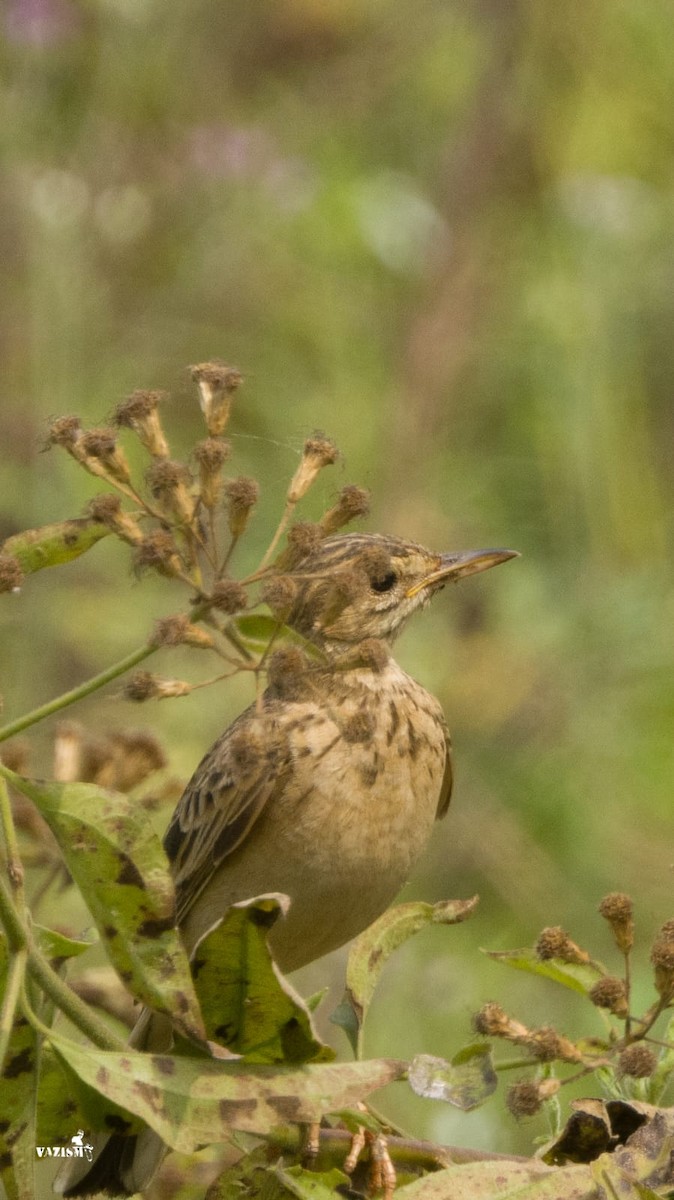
466, 1082
594, 1127
373, 948
580, 977
246, 1003
502, 1179
53, 545
644, 1166
192, 1102
120, 867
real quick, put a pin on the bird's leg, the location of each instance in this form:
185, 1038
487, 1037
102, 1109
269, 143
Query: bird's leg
381, 1174
310, 1143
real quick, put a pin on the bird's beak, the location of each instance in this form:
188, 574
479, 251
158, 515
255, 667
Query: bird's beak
455, 566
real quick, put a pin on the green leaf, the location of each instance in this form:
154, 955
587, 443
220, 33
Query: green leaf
373, 948
119, 865
55, 945
53, 545
503, 1180
246, 1003
311, 1185
65, 1104
257, 630
18, 1084
579, 977
192, 1102
466, 1082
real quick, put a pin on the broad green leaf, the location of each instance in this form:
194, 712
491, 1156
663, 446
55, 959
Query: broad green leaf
373, 948
65, 1104
311, 1185
119, 865
246, 1003
466, 1082
18, 1084
503, 1180
579, 977
53, 545
192, 1102
248, 1178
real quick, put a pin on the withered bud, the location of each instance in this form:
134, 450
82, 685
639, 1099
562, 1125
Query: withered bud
286, 672
319, 451
15, 755
617, 908
229, 596
554, 942
662, 958
242, 495
136, 754
637, 1060
610, 993
279, 594
11, 573
210, 455
548, 1046
144, 686
217, 383
179, 630
158, 552
107, 508
526, 1098
492, 1020
64, 431
68, 744
101, 445
139, 412
359, 727
352, 502
168, 483
304, 537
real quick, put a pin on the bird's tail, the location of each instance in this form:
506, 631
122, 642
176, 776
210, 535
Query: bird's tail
122, 1165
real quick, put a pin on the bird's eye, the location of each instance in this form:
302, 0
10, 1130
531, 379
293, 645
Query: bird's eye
384, 583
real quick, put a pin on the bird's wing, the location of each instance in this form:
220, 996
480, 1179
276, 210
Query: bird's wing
447, 779
241, 773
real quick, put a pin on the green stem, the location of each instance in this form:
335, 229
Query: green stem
63, 996
78, 693
14, 864
15, 977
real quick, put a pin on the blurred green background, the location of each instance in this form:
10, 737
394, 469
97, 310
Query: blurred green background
442, 232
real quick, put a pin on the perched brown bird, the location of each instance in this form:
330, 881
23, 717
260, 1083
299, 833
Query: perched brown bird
326, 790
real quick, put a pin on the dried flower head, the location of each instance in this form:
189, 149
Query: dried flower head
158, 552
139, 412
637, 1060
318, 452
135, 754
242, 495
286, 673
662, 958
554, 942
217, 383
229, 596
11, 573
103, 456
168, 482
618, 909
107, 508
549, 1046
279, 594
526, 1098
352, 502
179, 631
304, 537
492, 1020
611, 993
143, 685
210, 455
64, 431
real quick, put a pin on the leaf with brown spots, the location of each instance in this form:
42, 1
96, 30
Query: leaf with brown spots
246, 1003
203, 1100
120, 867
53, 545
372, 949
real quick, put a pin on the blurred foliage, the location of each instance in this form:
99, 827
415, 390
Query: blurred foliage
441, 231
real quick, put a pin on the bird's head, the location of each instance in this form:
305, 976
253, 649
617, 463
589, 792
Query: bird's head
363, 585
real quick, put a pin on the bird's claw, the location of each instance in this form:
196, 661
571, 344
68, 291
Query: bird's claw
381, 1173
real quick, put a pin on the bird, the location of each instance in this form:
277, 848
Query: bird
325, 789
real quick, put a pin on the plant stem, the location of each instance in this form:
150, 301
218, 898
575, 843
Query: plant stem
70, 1004
15, 977
77, 693
14, 864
